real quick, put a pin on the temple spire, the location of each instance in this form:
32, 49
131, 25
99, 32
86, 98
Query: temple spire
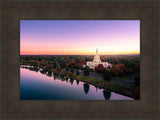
96, 51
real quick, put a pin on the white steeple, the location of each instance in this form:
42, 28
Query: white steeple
96, 51
96, 57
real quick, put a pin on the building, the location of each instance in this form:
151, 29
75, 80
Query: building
97, 61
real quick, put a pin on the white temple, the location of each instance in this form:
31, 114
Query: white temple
97, 61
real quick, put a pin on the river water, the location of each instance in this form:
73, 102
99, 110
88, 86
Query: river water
35, 85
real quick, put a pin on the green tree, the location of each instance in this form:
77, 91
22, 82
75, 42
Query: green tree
34, 63
86, 71
72, 70
71, 75
67, 69
107, 75
54, 65
77, 72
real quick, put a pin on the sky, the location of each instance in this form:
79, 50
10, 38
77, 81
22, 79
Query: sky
79, 37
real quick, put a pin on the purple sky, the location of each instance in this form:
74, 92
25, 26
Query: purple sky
80, 37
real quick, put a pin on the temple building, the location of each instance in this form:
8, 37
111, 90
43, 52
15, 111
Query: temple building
97, 61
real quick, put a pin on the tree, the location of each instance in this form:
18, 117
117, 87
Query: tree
72, 70
86, 71
100, 68
63, 73
67, 69
72, 63
77, 72
54, 65
107, 75
34, 63
119, 69
42, 64
48, 67
71, 75
131, 64
63, 65
58, 70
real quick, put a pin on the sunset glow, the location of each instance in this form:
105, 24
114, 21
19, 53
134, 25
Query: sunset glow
79, 37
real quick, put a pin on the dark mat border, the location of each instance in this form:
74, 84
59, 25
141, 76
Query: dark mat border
13, 107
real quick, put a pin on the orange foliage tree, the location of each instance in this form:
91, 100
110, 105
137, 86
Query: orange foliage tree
99, 68
119, 70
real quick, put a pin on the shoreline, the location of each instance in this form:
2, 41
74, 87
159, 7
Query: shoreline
106, 85
113, 87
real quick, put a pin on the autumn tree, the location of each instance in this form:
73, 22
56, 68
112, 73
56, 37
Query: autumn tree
48, 67
63, 65
100, 68
119, 70
58, 70
72, 63
71, 76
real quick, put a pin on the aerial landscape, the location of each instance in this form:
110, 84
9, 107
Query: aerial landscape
79, 59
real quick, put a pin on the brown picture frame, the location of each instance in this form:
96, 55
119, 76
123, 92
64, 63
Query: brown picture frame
146, 12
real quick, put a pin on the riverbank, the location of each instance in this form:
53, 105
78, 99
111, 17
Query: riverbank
106, 85
114, 87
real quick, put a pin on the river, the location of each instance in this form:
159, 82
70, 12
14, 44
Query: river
35, 85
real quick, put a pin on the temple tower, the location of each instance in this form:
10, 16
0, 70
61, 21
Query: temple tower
96, 57
96, 51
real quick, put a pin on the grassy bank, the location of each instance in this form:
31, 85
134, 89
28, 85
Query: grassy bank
106, 85
98, 83
101, 84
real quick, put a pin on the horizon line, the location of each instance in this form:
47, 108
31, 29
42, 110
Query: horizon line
81, 55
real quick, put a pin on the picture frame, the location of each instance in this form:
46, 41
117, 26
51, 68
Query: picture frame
13, 12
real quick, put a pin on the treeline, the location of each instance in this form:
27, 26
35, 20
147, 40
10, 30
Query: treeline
122, 64
71, 65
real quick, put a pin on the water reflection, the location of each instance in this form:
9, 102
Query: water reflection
86, 88
49, 74
96, 88
106, 94
41, 85
43, 72
71, 81
77, 82
66, 79
55, 76
31, 68
34, 69
62, 78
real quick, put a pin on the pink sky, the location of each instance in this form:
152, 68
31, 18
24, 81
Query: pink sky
79, 37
